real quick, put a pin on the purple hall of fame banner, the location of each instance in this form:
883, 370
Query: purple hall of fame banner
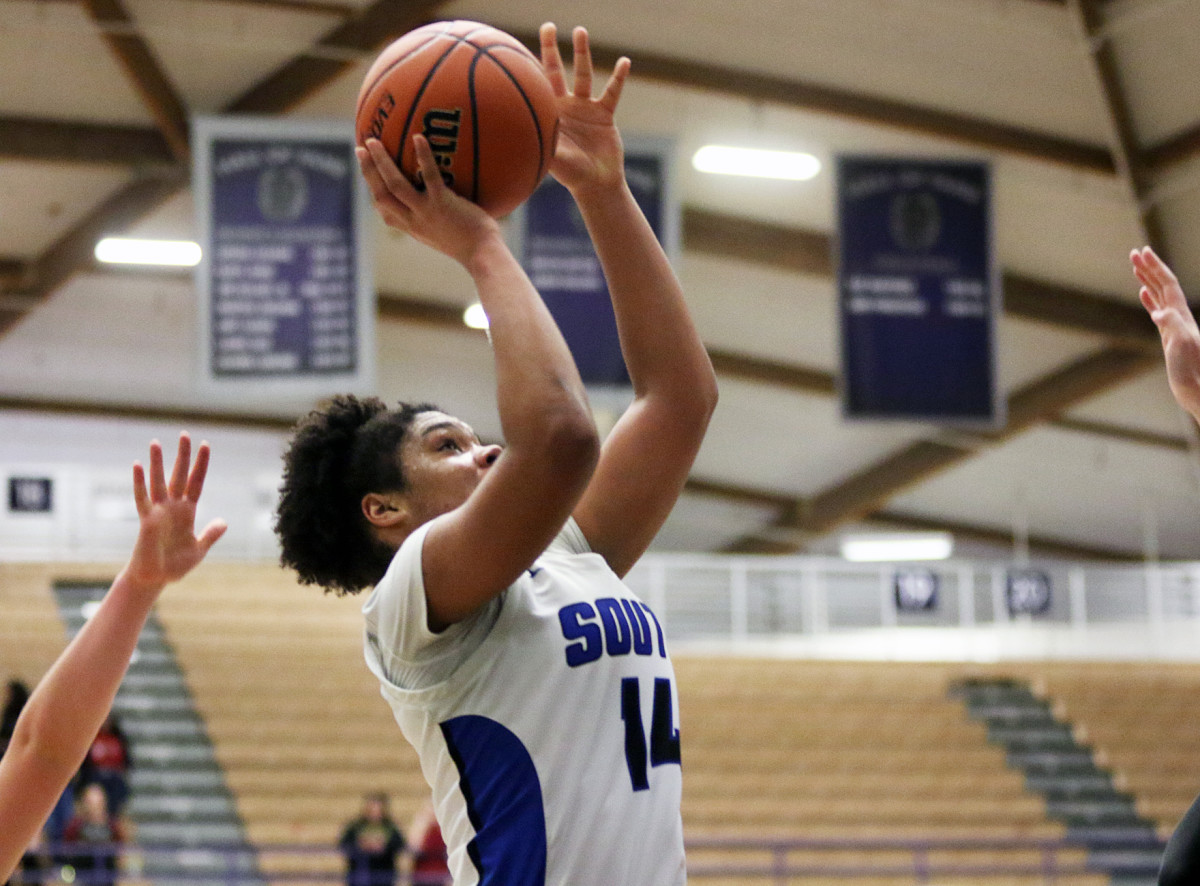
285, 295
918, 291
557, 253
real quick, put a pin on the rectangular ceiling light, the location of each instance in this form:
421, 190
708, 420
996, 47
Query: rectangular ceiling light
125, 251
893, 547
755, 162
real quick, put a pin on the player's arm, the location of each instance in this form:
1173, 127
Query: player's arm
70, 703
477, 550
649, 453
1163, 297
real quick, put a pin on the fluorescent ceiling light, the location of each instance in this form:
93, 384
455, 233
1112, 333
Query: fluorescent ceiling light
725, 160
900, 546
475, 317
124, 251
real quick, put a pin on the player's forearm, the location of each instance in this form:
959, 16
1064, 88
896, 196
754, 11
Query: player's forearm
663, 350
70, 703
65, 712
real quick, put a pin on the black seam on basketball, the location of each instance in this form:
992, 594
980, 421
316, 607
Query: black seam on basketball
367, 92
537, 128
474, 126
515, 46
412, 108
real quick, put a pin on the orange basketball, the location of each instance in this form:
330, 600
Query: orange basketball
478, 95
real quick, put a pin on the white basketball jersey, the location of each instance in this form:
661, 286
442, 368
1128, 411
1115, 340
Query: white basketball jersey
546, 724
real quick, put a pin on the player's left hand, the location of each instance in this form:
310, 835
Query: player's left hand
167, 547
1163, 297
589, 153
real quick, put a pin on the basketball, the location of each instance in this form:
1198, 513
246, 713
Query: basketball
481, 99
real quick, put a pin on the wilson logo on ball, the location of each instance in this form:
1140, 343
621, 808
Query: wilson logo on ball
440, 127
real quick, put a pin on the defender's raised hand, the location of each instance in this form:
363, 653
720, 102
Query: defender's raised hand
167, 546
1163, 297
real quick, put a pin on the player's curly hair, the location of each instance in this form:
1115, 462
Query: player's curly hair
339, 453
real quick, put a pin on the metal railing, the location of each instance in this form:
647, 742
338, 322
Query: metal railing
1056, 609
773, 861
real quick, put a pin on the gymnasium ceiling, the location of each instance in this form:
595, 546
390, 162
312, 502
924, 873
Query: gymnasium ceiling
1088, 111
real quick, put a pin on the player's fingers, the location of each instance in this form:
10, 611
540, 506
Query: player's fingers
179, 473
195, 480
380, 195
395, 184
552, 62
1157, 269
612, 90
210, 534
158, 481
431, 175
140, 498
583, 63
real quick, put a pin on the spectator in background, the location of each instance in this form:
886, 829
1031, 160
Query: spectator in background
372, 844
430, 866
92, 838
14, 703
108, 764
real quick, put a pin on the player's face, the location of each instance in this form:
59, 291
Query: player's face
443, 462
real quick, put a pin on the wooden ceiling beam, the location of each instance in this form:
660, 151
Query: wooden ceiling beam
798, 250
158, 94
869, 490
778, 246
1174, 151
1042, 400
292, 83
73, 141
1124, 434
74, 251
1043, 545
367, 31
1050, 396
1126, 154
1107, 369
808, 96
181, 416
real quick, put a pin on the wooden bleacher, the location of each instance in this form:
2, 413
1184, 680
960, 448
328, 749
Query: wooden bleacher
1143, 722
31, 633
771, 747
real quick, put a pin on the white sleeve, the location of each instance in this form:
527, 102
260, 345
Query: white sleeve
398, 644
570, 539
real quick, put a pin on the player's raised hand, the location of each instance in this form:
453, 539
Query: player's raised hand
1163, 297
589, 146
167, 546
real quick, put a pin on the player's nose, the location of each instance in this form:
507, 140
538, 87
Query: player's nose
486, 455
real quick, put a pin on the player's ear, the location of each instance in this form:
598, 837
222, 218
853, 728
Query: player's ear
384, 509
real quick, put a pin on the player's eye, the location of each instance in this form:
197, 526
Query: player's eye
450, 445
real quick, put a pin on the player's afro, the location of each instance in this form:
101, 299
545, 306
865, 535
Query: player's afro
339, 453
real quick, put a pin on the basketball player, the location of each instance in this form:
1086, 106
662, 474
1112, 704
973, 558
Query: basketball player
66, 708
534, 685
1163, 297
